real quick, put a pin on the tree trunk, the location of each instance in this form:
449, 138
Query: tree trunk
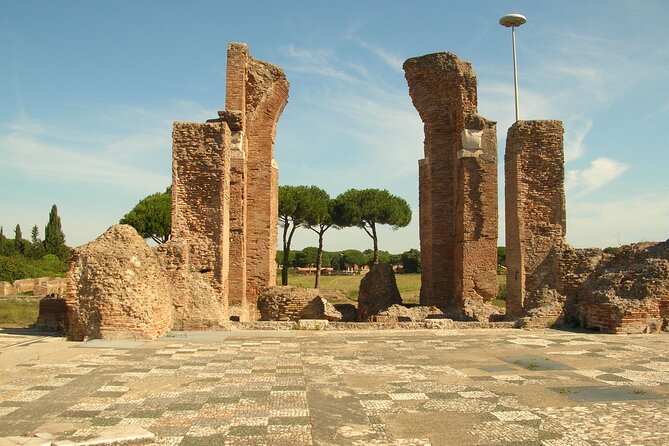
287, 238
319, 258
376, 244
284, 266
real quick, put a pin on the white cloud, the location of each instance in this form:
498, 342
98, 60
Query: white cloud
601, 171
575, 133
392, 60
320, 62
38, 159
627, 220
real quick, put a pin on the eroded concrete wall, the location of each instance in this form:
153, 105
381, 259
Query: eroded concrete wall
457, 187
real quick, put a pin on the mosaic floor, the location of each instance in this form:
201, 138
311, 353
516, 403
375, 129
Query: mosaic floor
439, 387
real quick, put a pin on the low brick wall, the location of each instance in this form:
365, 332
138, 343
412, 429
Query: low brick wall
611, 318
52, 314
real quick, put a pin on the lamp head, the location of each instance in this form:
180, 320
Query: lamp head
510, 20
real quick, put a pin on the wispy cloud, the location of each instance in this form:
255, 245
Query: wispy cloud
601, 172
626, 220
320, 62
37, 158
392, 60
575, 134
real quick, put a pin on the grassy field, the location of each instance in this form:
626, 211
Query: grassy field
21, 313
408, 285
18, 313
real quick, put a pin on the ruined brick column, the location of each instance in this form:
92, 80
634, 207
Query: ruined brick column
235, 103
200, 198
256, 93
457, 185
266, 97
535, 216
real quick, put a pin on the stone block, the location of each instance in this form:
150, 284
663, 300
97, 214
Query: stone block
312, 324
6, 289
378, 292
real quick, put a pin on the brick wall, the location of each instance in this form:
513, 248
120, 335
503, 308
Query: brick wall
457, 186
535, 214
200, 198
266, 97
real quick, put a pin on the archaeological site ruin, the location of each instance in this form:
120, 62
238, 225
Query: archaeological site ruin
220, 262
221, 254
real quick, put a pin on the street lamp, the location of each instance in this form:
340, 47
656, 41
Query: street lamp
512, 21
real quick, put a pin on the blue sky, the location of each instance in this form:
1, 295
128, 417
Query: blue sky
89, 91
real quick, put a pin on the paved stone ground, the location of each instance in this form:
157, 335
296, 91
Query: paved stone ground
422, 387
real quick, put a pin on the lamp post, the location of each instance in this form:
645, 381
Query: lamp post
512, 21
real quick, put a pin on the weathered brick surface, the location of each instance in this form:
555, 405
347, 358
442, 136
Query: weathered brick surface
197, 305
117, 288
628, 293
200, 198
266, 97
289, 303
457, 187
256, 94
535, 216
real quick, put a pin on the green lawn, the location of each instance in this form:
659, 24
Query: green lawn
18, 313
408, 285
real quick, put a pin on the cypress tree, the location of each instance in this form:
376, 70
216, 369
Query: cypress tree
54, 238
2, 240
18, 238
34, 234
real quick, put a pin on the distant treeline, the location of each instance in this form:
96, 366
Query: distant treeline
22, 258
350, 258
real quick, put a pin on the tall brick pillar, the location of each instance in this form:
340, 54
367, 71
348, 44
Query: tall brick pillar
225, 184
535, 215
457, 187
200, 199
266, 97
235, 104
256, 94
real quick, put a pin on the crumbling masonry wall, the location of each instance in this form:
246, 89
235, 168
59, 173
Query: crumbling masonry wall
266, 96
535, 217
457, 187
236, 215
224, 218
200, 198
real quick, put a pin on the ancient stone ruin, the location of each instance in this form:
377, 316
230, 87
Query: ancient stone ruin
220, 264
458, 188
535, 216
225, 183
627, 293
548, 282
224, 217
